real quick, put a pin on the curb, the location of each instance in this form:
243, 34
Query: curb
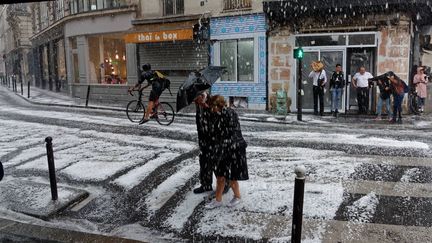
26, 232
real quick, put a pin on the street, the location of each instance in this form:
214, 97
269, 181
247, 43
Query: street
366, 181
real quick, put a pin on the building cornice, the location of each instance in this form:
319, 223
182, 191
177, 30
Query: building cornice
91, 14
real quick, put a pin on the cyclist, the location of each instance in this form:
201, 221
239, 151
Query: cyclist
153, 79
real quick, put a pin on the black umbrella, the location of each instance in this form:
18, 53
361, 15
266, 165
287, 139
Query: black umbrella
1, 171
196, 83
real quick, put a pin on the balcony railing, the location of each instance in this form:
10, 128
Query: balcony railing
237, 4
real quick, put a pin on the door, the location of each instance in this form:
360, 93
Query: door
358, 57
330, 58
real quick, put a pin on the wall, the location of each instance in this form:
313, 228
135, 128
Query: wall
237, 27
394, 50
281, 67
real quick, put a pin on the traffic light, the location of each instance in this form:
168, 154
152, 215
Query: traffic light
298, 53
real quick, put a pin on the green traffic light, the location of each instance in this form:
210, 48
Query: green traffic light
298, 53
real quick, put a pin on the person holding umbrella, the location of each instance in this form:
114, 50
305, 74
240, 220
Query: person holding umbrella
230, 149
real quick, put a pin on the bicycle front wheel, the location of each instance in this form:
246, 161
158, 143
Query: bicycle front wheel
135, 111
165, 114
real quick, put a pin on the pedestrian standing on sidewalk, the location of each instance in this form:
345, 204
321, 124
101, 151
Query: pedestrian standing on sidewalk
232, 164
361, 83
203, 120
337, 83
384, 97
420, 80
319, 79
399, 88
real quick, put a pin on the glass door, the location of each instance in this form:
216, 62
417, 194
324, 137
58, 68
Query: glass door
330, 57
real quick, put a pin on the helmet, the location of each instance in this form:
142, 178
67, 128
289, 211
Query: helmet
146, 67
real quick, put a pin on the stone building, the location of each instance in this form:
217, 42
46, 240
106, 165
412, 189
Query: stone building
380, 35
15, 31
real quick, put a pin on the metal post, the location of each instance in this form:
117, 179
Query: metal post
28, 89
88, 96
51, 168
299, 91
297, 218
22, 88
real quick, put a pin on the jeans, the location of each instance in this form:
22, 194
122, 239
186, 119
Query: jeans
379, 108
397, 105
318, 93
336, 99
363, 99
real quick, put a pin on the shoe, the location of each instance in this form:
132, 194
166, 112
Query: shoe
392, 121
399, 120
321, 113
226, 189
202, 189
234, 202
378, 118
213, 204
144, 121
316, 113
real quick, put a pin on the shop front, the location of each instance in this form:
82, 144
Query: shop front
97, 58
169, 48
380, 39
48, 67
239, 44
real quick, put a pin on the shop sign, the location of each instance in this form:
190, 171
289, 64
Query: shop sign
160, 36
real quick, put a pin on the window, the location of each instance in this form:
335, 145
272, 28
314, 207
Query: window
79, 6
238, 58
59, 9
237, 4
173, 7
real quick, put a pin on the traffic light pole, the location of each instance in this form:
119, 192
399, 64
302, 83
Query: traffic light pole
299, 90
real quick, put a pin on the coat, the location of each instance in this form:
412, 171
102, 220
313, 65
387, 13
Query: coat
202, 119
421, 85
232, 147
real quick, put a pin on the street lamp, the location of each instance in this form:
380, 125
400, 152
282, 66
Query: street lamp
299, 54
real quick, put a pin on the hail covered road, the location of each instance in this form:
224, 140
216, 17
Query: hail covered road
364, 179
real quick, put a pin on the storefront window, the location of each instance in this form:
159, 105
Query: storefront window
107, 63
321, 40
238, 58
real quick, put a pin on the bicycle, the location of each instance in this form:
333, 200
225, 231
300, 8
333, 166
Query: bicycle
163, 112
413, 100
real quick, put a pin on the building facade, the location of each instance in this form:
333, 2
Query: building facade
15, 31
381, 37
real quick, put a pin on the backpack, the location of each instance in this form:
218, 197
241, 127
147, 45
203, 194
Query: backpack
406, 87
165, 83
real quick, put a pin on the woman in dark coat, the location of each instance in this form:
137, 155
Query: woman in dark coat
231, 151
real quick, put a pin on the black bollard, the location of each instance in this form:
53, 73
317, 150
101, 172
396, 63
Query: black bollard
28, 89
51, 168
88, 96
297, 219
1, 171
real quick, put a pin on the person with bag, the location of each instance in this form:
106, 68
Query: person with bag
420, 80
384, 97
231, 150
337, 83
319, 79
399, 88
361, 83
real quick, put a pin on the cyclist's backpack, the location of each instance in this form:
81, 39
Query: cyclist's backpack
165, 83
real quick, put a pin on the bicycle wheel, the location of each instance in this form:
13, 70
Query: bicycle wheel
135, 111
414, 104
165, 114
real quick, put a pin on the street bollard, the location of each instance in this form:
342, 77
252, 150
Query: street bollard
51, 168
297, 218
1, 171
88, 96
28, 89
22, 88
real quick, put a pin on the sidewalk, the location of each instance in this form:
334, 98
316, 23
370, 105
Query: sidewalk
50, 98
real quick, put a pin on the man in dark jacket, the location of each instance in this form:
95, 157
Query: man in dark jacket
202, 119
337, 83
